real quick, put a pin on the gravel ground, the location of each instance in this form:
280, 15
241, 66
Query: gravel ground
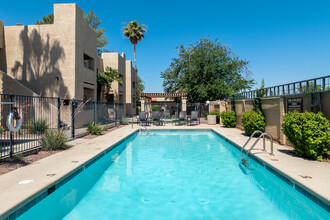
10, 164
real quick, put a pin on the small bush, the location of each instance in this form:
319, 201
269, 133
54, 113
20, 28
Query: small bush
124, 121
228, 119
94, 129
18, 157
308, 132
253, 120
54, 140
217, 114
2, 130
37, 126
156, 108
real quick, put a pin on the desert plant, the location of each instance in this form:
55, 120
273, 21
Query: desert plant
228, 118
124, 121
38, 126
106, 127
253, 120
94, 129
308, 132
18, 157
54, 140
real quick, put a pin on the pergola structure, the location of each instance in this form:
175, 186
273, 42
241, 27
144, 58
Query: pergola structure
148, 98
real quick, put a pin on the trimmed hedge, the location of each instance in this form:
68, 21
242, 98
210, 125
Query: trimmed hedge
228, 119
253, 120
308, 132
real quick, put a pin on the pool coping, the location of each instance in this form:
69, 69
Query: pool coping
23, 206
306, 191
29, 202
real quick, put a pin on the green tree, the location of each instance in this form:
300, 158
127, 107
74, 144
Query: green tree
135, 33
139, 87
206, 70
94, 22
104, 79
49, 19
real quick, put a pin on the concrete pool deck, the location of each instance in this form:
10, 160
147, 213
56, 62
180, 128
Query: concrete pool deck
311, 175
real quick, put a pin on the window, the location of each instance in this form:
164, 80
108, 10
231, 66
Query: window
88, 62
133, 85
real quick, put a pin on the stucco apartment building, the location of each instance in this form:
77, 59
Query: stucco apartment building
59, 59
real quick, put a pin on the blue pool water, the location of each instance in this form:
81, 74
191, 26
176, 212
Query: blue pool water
175, 175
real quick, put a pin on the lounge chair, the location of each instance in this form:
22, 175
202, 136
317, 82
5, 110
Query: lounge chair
182, 117
143, 118
156, 117
194, 117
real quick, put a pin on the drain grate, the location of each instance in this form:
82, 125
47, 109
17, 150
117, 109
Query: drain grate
51, 174
74, 161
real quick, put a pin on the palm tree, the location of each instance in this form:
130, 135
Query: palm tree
135, 33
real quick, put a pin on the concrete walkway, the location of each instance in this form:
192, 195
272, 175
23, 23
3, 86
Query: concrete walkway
52, 169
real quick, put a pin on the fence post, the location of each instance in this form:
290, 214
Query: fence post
94, 111
11, 133
115, 108
73, 108
59, 113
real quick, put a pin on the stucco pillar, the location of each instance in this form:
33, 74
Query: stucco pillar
184, 104
282, 112
142, 104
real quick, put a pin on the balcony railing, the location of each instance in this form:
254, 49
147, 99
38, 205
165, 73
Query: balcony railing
316, 85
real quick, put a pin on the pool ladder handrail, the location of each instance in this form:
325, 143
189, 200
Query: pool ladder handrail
246, 162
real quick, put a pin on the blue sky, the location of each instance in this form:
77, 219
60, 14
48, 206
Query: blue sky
284, 41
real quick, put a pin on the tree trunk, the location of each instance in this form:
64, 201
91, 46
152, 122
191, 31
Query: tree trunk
135, 58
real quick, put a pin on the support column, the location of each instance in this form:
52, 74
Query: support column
142, 104
282, 112
184, 104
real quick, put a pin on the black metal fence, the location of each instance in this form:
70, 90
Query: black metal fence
42, 113
310, 86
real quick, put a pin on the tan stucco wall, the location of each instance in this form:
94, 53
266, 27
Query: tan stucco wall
15, 87
85, 44
48, 59
1, 34
116, 61
271, 109
325, 100
130, 91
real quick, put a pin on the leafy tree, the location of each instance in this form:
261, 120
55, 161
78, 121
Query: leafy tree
140, 88
206, 70
94, 22
135, 33
49, 19
105, 79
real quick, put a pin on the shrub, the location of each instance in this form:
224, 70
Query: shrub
156, 108
217, 114
253, 120
308, 132
2, 130
38, 126
124, 121
54, 140
95, 129
228, 118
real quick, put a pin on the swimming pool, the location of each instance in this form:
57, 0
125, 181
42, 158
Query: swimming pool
174, 175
